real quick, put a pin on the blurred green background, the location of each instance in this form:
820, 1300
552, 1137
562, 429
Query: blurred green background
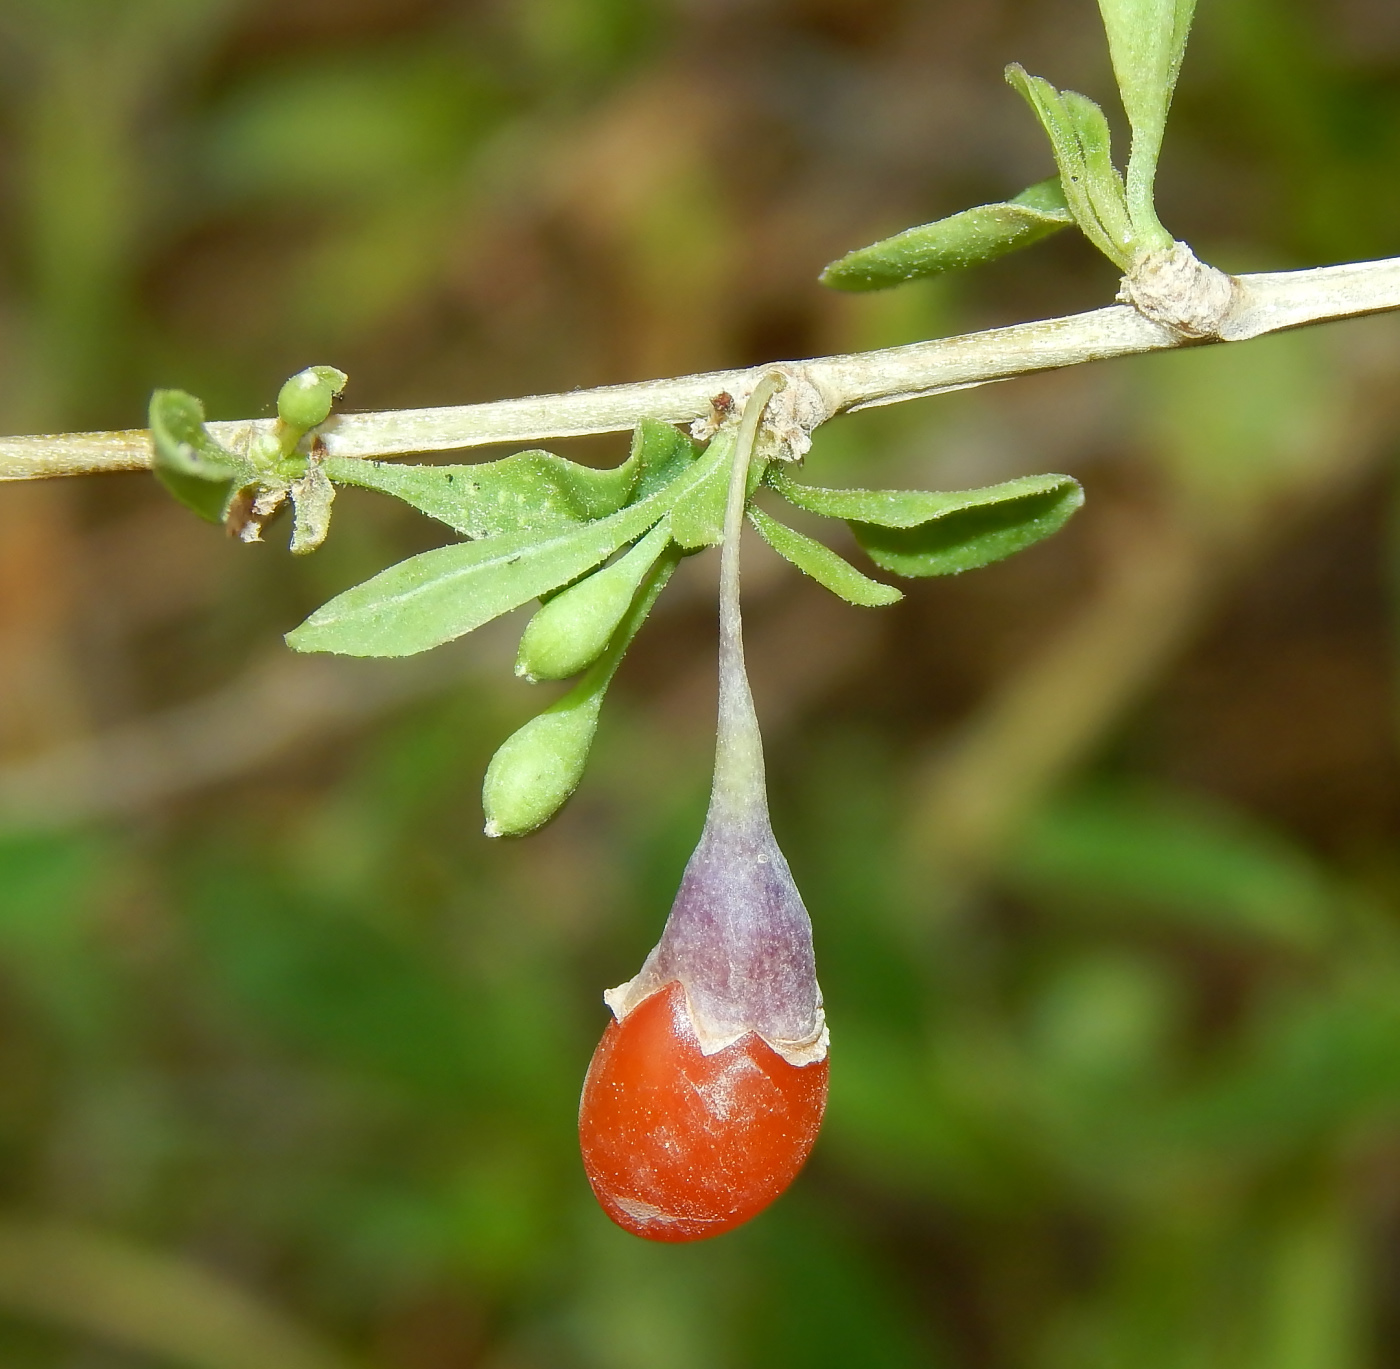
1100, 843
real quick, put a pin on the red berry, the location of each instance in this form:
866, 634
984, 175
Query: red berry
679, 1145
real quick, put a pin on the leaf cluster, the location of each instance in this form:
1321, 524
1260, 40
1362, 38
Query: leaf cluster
244, 488
595, 547
538, 524
541, 527
1147, 40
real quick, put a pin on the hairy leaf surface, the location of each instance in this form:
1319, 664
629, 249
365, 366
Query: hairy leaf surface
1092, 188
438, 595
199, 472
919, 532
698, 517
825, 566
527, 491
961, 240
1147, 40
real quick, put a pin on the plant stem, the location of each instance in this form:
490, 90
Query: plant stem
739, 787
1142, 204
1264, 303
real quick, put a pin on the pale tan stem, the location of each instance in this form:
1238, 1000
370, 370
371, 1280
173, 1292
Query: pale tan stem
1263, 304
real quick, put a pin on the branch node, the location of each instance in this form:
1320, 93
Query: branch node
1174, 288
793, 414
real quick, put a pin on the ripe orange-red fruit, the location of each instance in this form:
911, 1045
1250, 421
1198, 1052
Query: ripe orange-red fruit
679, 1145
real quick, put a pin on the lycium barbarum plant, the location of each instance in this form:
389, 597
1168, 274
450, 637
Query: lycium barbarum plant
1162, 278
706, 1092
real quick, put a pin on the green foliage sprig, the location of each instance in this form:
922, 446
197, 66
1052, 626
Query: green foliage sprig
243, 488
596, 547
1147, 40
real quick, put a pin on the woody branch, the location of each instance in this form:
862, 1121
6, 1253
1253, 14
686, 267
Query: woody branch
1261, 303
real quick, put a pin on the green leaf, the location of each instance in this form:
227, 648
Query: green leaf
208, 500
438, 595
527, 491
1079, 138
961, 240
199, 472
1147, 40
661, 453
910, 508
1104, 184
182, 443
823, 565
698, 517
918, 532
971, 537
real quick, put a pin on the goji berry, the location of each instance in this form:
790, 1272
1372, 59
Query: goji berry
680, 1145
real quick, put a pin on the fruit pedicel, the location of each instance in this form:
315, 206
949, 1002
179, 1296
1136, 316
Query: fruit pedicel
706, 1093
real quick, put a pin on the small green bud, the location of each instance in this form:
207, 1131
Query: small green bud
539, 766
573, 629
305, 400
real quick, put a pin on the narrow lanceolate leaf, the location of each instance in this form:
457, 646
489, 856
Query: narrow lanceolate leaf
1104, 184
527, 491
972, 536
698, 517
188, 461
1092, 189
961, 240
823, 565
917, 532
1147, 40
436, 596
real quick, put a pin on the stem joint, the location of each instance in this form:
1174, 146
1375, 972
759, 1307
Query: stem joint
1177, 290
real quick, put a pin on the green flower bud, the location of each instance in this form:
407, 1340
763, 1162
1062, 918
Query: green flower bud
539, 766
573, 629
305, 400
